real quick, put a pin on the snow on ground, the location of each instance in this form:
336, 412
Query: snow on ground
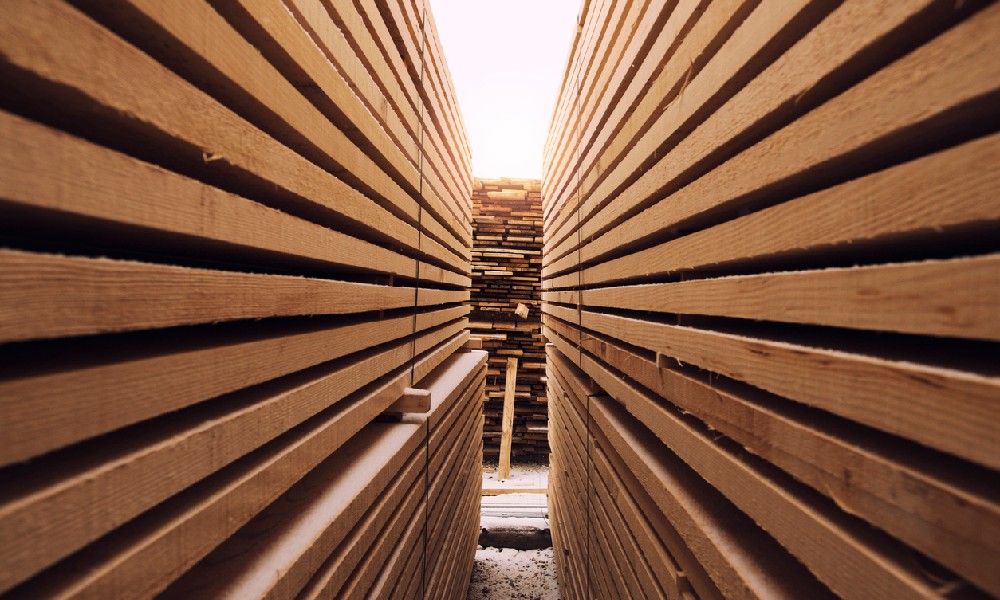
502, 573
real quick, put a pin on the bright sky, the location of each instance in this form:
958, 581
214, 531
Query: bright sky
506, 59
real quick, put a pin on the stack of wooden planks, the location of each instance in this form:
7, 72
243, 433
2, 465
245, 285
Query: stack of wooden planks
506, 282
235, 244
772, 290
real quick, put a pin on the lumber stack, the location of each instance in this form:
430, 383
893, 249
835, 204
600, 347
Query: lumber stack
235, 245
771, 284
506, 267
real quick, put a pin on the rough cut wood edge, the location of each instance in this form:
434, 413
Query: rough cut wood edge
78, 403
238, 425
413, 400
171, 539
312, 517
48, 296
863, 388
956, 297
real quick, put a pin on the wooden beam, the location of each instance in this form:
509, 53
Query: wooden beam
76, 399
412, 401
503, 468
956, 297
896, 396
503, 491
49, 295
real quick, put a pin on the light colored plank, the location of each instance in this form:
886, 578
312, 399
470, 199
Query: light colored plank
943, 408
194, 27
186, 116
621, 26
335, 96
958, 297
632, 112
173, 538
662, 564
954, 70
735, 552
274, 555
413, 400
761, 32
47, 295
507, 425
948, 517
90, 500
860, 211
853, 560
74, 400
66, 178
389, 513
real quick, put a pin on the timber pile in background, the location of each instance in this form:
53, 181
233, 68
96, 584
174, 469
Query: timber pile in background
506, 278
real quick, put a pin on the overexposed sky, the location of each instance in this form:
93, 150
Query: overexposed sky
506, 59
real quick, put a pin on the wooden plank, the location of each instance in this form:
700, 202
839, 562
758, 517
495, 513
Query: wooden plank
736, 553
203, 440
47, 295
398, 44
486, 491
335, 96
275, 554
79, 395
876, 111
184, 118
662, 565
863, 211
172, 31
957, 297
760, 38
824, 538
921, 502
899, 397
342, 36
503, 470
439, 67
594, 29
346, 44
413, 400
171, 539
621, 116
381, 567
93, 186
389, 513
621, 26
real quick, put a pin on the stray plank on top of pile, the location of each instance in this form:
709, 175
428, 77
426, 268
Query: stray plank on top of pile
219, 273
770, 270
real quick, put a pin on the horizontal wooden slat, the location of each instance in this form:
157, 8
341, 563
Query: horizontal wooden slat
956, 297
186, 116
202, 441
864, 210
43, 411
177, 534
949, 518
942, 408
100, 186
761, 37
45, 295
846, 555
292, 536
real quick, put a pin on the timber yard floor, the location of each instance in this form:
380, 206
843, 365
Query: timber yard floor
515, 556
